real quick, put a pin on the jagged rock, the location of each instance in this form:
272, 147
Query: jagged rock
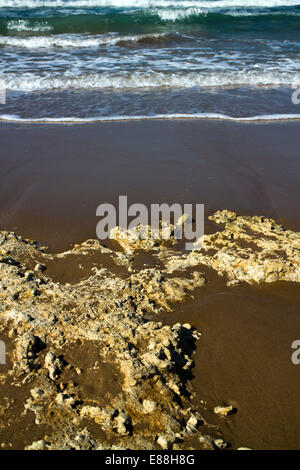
249, 249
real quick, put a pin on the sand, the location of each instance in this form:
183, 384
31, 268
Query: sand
54, 177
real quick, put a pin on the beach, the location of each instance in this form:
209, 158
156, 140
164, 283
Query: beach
54, 176
149, 226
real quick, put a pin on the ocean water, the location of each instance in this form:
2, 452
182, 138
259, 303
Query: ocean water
126, 59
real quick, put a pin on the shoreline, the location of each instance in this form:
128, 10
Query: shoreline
54, 178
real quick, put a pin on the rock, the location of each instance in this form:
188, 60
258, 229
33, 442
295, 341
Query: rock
184, 219
37, 393
93, 412
149, 406
29, 276
249, 249
110, 310
194, 421
40, 267
224, 410
27, 348
123, 424
37, 445
59, 399
53, 364
70, 401
207, 442
220, 443
165, 442
65, 399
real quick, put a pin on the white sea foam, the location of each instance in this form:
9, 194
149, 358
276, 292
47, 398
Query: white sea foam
175, 14
178, 14
215, 116
210, 4
71, 40
25, 25
150, 80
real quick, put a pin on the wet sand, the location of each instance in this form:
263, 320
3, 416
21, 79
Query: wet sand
244, 359
53, 178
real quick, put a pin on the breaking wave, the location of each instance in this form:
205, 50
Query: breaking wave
138, 80
219, 116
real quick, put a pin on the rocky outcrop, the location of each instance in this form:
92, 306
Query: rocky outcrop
96, 367
248, 249
46, 320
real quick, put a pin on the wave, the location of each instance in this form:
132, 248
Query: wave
131, 22
97, 21
151, 80
215, 116
209, 4
203, 13
75, 41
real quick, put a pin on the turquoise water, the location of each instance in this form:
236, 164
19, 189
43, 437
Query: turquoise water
101, 59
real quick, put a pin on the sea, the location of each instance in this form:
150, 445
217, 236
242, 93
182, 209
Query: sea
97, 60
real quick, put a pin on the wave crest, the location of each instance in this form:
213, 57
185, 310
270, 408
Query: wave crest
214, 116
76, 40
150, 80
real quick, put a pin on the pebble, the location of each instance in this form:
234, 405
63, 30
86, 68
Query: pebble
220, 443
165, 442
224, 410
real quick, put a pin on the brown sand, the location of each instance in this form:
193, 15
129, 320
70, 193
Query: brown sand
53, 178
